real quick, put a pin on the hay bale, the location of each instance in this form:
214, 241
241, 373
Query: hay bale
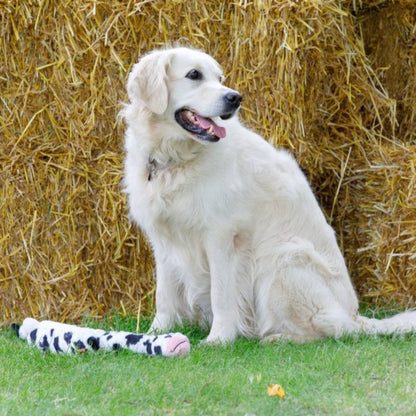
310, 83
390, 43
67, 248
385, 220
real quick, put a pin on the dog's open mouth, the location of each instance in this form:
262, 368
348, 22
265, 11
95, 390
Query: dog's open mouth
204, 128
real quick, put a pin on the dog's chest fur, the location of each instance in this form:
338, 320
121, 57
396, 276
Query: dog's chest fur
182, 193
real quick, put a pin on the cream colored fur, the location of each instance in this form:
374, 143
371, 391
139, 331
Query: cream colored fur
239, 240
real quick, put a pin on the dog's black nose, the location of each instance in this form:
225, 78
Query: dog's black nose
233, 99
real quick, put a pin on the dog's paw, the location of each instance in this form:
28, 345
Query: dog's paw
221, 333
160, 325
211, 342
287, 338
274, 339
219, 339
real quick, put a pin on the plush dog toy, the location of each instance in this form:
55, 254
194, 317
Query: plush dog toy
68, 339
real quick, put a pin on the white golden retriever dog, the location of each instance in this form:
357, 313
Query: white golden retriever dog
239, 240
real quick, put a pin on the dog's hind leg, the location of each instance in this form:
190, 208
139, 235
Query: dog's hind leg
301, 307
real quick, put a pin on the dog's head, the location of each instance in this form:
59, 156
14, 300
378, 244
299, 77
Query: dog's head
184, 86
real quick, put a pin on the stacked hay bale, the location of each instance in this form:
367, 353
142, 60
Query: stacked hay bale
386, 218
314, 80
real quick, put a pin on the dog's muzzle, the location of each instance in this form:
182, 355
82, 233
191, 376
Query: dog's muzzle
204, 128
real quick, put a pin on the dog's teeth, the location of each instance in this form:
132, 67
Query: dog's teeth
189, 115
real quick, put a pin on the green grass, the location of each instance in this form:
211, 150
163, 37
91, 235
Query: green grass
364, 376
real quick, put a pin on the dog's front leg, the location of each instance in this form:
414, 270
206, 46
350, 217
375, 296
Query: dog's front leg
169, 296
224, 268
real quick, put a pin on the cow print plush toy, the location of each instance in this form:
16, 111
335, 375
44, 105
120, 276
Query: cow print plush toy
68, 339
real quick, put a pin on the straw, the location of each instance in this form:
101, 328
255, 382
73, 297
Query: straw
332, 81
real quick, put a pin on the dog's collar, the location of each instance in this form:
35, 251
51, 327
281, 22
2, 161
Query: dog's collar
155, 165
152, 167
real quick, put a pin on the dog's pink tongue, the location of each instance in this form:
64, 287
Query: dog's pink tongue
206, 123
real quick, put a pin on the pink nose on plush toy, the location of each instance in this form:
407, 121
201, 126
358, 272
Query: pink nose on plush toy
178, 344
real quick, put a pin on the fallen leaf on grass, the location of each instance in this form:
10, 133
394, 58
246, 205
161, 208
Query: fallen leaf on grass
275, 390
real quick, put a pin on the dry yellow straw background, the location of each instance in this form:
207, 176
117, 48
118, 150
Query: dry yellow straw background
333, 81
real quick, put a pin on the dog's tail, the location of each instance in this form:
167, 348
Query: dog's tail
400, 324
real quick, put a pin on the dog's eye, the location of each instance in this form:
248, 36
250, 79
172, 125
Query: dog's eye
194, 74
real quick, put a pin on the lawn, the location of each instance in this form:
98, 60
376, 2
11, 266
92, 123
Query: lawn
364, 376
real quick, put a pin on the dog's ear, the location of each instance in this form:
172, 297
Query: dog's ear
147, 82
